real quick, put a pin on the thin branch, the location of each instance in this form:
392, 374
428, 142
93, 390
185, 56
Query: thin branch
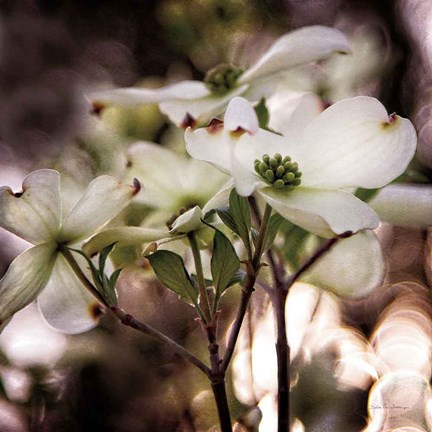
204, 298
241, 312
318, 254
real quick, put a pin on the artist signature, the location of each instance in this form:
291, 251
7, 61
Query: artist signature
385, 406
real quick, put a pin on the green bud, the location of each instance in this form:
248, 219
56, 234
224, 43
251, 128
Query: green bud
280, 170
266, 159
273, 163
286, 159
269, 175
279, 184
263, 167
288, 178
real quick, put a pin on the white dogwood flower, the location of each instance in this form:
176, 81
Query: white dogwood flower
307, 175
180, 190
190, 102
42, 272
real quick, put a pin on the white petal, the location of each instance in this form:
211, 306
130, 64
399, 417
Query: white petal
35, 215
135, 96
65, 304
188, 221
354, 144
300, 46
353, 267
160, 172
104, 198
322, 212
210, 144
123, 236
404, 204
201, 110
291, 112
25, 278
220, 199
241, 115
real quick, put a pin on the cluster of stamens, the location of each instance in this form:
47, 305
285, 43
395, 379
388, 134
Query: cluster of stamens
222, 78
280, 172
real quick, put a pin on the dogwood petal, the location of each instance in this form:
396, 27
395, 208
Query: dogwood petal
122, 236
34, 214
240, 116
159, 170
201, 110
25, 278
354, 143
291, 112
210, 144
353, 267
220, 199
104, 198
404, 204
135, 96
65, 304
189, 221
300, 46
322, 212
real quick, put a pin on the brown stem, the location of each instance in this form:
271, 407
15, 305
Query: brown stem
241, 312
219, 393
283, 361
318, 254
129, 320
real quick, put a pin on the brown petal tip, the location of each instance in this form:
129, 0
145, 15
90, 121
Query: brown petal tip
214, 126
188, 121
97, 108
96, 311
136, 186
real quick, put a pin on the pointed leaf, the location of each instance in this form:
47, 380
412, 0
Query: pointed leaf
262, 114
227, 218
239, 208
273, 228
96, 275
103, 257
170, 270
224, 262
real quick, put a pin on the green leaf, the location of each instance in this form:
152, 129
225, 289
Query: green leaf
103, 255
272, 229
262, 114
365, 194
224, 263
239, 276
114, 277
239, 208
295, 240
254, 234
225, 214
170, 270
96, 275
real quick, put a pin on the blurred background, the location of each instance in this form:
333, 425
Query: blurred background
351, 353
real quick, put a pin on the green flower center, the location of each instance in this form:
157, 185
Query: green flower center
222, 78
280, 172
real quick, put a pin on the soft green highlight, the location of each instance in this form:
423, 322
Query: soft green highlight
222, 78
